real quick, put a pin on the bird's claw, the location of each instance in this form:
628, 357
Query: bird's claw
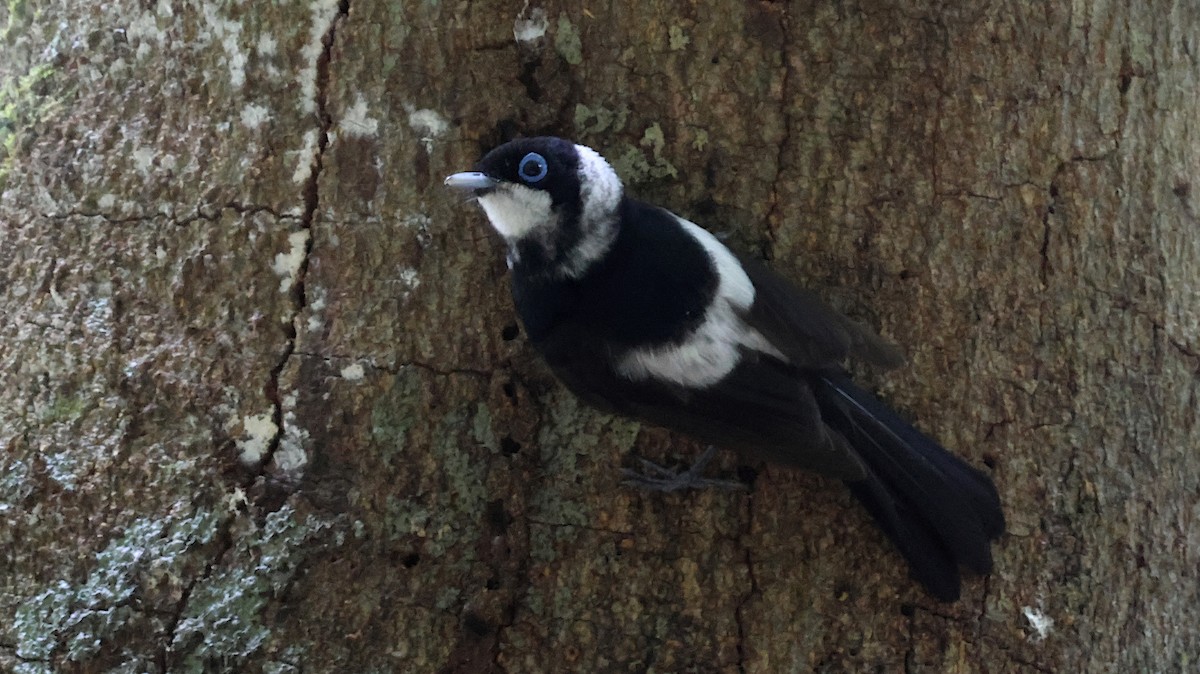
656, 477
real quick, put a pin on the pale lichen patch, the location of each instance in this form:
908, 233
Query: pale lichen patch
531, 27
357, 123
1041, 623
257, 433
307, 158
353, 372
429, 124
253, 115
287, 264
323, 14
229, 33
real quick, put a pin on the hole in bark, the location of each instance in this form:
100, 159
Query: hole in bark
510, 332
509, 446
704, 207
412, 560
716, 60
907, 610
497, 516
747, 475
476, 625
989, 460
492, 583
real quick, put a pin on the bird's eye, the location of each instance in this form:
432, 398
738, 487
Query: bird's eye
533, 167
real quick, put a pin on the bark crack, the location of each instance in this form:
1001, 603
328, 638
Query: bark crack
311, 196
312, 201
226, 542
774, 210
743, 652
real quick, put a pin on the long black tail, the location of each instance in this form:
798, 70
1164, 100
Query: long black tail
940, 512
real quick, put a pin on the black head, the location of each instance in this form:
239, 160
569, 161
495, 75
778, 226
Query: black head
552, 200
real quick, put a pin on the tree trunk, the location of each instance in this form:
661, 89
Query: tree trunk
267, 406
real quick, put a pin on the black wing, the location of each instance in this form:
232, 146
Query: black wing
806, 330
764, 407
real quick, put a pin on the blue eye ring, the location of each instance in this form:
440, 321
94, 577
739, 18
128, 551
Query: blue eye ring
532, 168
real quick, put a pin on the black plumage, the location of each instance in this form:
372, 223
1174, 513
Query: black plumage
642, 314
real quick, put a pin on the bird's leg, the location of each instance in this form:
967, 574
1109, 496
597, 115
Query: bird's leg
661, 478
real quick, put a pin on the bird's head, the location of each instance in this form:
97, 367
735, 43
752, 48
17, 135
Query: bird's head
554, 202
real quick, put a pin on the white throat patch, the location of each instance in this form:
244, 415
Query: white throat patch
515, 210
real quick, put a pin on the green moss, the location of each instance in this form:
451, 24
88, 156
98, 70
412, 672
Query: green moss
64, 409
569, 442
394, 414
23, 101
635, 165
481, 428
677, 38
444, 463
600, 119
567, 42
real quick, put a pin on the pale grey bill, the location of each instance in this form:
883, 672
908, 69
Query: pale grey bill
470, 180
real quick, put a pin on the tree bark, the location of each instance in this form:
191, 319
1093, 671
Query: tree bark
267, 406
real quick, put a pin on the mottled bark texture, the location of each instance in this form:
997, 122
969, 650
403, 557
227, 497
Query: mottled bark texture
266, 408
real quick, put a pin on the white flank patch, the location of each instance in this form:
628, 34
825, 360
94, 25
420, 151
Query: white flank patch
287, 265
531, 28
712, 351
516, 210
254, 115
357, 123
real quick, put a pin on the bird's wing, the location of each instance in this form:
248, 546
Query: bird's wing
764, 407
806, 330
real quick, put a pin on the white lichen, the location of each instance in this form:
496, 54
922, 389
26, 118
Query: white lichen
324, 13
287, 264
357, 123
229, 33
316, 304
532, 27
353, 372
410, 279
257, 432
143, 159
253, 115
429, 124
291, 456
267, 45
307, 159
1040, 622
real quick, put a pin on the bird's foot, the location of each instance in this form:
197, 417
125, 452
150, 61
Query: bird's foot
661, 478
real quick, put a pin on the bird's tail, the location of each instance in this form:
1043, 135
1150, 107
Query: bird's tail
940, 512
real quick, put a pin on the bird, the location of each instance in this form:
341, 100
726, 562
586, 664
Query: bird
642, 313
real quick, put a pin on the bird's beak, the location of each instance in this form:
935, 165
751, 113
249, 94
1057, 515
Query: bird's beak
471, 181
